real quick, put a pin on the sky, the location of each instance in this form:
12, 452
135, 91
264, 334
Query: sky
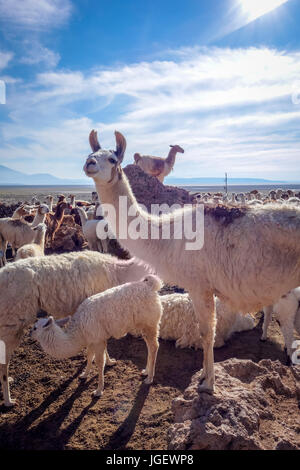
219, 78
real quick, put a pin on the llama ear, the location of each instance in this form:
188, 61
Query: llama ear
49, 322
63, 321
94, 143
121, 146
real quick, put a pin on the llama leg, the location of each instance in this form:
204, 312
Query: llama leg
287, 329
109, 361
90, 357
152, 346
267, 320
100, 361
4, 378
205, 310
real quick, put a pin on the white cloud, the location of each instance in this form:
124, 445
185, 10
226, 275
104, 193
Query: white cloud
36, 54
35, 14
5, 58
230, 109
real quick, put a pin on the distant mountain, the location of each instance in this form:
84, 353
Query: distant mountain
12, 177
219, 181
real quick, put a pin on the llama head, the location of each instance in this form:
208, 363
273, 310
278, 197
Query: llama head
153, 282
42, 325
177, 148
102, 165
45, 325
43, 209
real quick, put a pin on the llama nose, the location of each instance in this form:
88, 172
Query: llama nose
91, 161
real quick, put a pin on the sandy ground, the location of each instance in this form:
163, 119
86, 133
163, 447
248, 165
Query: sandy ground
55, 409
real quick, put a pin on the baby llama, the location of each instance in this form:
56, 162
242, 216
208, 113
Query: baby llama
37, 247
132, 307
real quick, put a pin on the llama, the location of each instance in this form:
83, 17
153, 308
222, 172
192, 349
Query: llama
16, 232
54, 221
132, 307
25, 291
89, 230
250, 257
178, 322
287, 312
157, 166
37, 247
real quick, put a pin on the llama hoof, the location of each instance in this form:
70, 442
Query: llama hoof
10, 403
288, 361
97, 393
144, 372
148, 381
262, 339
206, 385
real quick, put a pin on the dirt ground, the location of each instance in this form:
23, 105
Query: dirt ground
55, 409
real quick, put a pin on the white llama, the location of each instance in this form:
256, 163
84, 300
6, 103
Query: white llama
251, 256
132, 307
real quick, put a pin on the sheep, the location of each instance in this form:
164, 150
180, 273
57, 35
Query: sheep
132, 307
56, 284
287, 313
37, 247
178, 322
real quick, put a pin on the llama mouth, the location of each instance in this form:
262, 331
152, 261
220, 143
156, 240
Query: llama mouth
88, 171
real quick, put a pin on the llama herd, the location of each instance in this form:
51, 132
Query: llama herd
250, 261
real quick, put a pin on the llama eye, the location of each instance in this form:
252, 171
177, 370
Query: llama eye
112, 161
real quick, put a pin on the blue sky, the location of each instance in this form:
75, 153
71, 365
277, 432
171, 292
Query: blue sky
219, 78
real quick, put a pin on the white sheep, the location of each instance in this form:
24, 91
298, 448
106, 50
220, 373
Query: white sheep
57, 284
178, 322
132, 307
287, 313
37, 247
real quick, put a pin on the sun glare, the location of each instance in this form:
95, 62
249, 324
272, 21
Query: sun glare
256, 8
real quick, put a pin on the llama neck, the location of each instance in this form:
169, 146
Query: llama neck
170, 160
40, 238
60, 343
144, 249
59, 213
38, 219
16, 214
83, 216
